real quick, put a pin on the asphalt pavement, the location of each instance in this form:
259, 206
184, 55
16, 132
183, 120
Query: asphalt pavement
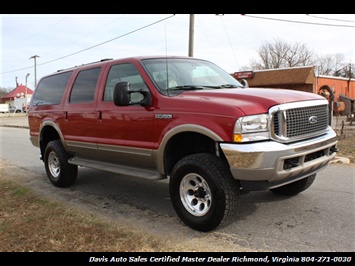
14, 120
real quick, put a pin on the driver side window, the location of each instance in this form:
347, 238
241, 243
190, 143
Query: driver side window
123, 72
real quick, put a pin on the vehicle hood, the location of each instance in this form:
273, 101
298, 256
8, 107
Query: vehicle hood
250, 100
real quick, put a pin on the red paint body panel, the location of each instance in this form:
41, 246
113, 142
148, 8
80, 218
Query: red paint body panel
103, 123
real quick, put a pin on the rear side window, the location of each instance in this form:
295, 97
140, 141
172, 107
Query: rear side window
50, 89
84, 86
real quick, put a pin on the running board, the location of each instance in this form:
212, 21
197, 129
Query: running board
117, 168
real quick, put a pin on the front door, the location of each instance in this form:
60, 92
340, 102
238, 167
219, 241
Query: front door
125, 133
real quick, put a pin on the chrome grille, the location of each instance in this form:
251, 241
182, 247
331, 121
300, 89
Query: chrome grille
292, 122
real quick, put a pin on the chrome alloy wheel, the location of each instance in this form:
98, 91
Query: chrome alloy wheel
195, 194
54, 164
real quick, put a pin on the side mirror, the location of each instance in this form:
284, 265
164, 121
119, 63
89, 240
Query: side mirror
122, 95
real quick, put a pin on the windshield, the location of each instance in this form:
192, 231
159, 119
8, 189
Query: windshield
180, 74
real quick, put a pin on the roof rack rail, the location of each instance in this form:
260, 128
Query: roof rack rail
102, 60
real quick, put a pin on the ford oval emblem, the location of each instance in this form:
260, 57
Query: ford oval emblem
313, 119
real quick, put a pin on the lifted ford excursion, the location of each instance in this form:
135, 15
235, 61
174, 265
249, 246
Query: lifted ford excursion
184, 119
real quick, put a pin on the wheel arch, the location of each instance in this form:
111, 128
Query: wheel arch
49, 131
184, 140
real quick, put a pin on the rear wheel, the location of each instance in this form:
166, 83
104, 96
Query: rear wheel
203, 191
59, 171
295, 187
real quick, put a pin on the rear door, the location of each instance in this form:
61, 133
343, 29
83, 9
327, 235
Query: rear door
80, 117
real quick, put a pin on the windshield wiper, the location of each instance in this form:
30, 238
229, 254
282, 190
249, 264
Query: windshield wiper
186, 87
229, 86
200, 87
221, 86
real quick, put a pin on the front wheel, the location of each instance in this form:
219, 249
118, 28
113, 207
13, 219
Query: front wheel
59, 171
203, 191
295, 188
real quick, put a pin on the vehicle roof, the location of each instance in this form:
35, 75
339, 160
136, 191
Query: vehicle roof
135, 58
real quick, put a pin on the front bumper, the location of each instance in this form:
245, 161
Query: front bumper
266, 165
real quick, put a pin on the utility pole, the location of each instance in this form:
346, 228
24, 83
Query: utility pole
349, 80
26, 107
34, 57
191, 35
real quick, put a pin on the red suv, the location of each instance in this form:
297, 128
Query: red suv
184, 119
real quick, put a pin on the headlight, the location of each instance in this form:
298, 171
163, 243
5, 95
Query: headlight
252, 128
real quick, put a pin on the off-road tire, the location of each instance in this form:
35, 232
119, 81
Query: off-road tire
295, 188
59, 171
203, 191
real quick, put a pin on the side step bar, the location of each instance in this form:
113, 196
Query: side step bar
117, 168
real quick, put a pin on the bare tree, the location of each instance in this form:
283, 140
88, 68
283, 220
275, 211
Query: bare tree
325, 65
333, 65
4, 91
330, 65
281, 54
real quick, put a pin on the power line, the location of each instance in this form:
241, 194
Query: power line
55, 50
23, 41
300, 22
85, 35
334, 19
230, 43
91, 47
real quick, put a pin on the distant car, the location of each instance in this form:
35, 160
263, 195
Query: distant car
14, 109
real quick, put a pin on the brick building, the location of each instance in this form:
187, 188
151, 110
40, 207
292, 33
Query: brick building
304, 79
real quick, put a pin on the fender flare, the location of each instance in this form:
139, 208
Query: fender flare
158, 155
49, 123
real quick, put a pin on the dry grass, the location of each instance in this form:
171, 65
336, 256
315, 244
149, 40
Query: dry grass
29, 223
346, 143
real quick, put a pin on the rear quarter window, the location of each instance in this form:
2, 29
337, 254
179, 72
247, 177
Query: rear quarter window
50, 89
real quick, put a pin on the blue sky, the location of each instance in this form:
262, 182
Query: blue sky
231, 41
